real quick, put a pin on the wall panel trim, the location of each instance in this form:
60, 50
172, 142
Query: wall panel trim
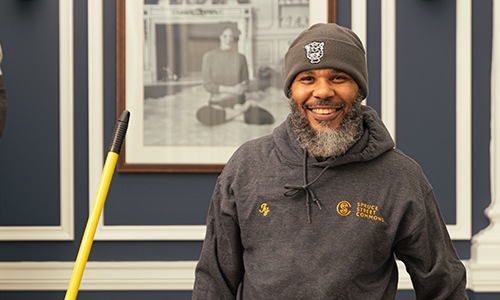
462, 230
463, 132
485, 261
172, 275
388, 65
98, 276
359, 19
65, 231
141, 276
459, 231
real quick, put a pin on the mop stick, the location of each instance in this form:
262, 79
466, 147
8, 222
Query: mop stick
100, 198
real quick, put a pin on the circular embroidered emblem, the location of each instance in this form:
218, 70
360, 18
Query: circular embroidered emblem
344, 208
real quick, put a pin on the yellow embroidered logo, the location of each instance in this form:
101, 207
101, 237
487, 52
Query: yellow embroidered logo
264, 209
344, 208
368, 211
363, 210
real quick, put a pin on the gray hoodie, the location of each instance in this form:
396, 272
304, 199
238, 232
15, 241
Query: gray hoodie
282, 225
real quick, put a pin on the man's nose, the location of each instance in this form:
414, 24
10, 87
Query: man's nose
323, 89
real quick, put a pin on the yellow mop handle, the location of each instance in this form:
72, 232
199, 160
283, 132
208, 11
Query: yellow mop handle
95, 213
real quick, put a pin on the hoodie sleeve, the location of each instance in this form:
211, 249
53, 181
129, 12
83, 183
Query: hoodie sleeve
430, 257
220, 268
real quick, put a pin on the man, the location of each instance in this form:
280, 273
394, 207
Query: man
3, 98
320, 208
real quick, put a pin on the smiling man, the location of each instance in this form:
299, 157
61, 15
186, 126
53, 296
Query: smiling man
321, 208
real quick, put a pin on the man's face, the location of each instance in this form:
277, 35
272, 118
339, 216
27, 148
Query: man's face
324, 96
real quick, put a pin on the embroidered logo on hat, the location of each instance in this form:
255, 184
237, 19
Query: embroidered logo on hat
314, 51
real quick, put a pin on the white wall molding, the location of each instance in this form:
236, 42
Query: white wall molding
485, 261
358, 19
462, 230
463, 132
358, 23
127, 276
96, 145
388, 65
98, 276
96, 95
150, 233
459, 231
64, 231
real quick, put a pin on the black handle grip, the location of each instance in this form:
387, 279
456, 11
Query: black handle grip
120, 131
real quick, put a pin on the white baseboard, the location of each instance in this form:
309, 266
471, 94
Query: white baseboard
109, 276
163, 275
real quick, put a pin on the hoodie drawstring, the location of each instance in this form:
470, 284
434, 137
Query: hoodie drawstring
294, 189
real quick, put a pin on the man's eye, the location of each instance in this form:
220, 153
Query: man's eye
339, 78
307, 78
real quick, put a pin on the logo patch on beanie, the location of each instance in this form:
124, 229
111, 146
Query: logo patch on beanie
314, 51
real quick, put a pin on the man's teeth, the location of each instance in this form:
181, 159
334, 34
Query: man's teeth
323, 111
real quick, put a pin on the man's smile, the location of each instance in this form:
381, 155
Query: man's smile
324, 112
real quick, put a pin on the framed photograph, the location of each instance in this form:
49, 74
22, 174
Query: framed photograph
201, 77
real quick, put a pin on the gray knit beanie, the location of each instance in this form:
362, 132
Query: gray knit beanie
327, 46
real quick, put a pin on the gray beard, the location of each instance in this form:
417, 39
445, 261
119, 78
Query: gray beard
326, 142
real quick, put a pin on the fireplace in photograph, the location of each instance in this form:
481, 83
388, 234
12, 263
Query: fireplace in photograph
176, 39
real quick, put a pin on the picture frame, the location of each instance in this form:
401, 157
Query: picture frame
178, 124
